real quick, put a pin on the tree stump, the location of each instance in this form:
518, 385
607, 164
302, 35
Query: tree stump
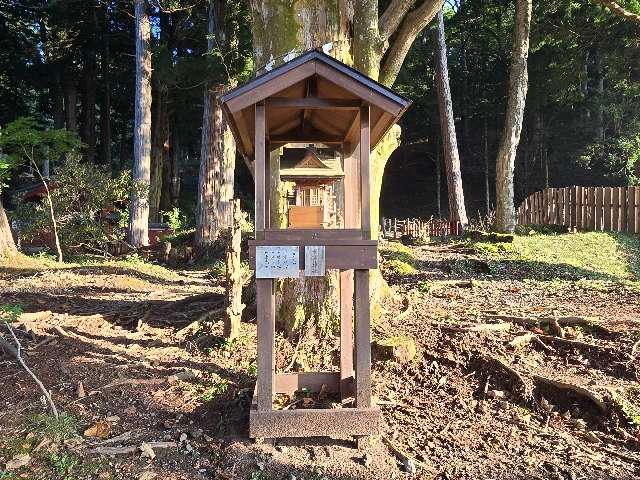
234, 275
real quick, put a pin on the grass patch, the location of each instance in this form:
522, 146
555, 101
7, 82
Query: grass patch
598, 255
398, 267
398, 259
57, 430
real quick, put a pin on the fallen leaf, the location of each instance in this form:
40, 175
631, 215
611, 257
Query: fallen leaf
147, 451
147, 475
100, 429
81, 393
18, 461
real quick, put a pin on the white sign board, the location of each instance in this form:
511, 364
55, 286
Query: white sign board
314, 261
277, 262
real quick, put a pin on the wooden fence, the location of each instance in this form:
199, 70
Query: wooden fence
416, 227
609, 209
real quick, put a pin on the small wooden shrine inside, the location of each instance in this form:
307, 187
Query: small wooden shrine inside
314, 100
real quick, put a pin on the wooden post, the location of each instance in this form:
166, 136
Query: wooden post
615, 209
265, 317
363, 339
623, 208
606, 222
637, 207
599, 208
234, 275
631, 209
260, 171
591, 201
574, 207
346, 332
365, 172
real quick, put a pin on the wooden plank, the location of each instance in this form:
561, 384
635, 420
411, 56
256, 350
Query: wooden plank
574, 206
265, 318
622, 220
313, 103
591, 202
346, 333
358, 89
302, 234
331, 422
268, 88
343, 257
310, 137
637, 206
363, 339
599, 208
301, 216
607, 209
566, 192
312, 381
615, 209
579, 208
365, 173
260, 169
631, 209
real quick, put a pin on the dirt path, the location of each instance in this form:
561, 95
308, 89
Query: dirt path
471, 405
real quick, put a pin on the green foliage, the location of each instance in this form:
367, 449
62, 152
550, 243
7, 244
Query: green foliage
491, 248
88, 203
620, 156
217, 388
26, 141
175, 219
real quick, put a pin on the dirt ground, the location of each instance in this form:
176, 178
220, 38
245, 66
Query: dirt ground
523, 398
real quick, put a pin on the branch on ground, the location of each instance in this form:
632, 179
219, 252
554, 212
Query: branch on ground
17, 354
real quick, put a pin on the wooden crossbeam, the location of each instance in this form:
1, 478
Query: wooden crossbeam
314, 103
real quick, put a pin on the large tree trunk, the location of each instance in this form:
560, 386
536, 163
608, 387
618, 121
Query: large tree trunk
518, 84
217, 154
89, 88
7, 245
374, 46
105, 108
70, 99
139, 202
457, 211
159, 150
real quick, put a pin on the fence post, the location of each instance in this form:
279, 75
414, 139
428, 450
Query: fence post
599, 208
631, 209
606, 225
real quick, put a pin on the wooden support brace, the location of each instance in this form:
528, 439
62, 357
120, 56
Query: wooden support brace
363, 339
266, 316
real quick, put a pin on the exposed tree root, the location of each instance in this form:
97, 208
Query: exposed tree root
482, 327
524, 386
580, 391
525, 338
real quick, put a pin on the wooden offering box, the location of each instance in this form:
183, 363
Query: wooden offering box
317, 101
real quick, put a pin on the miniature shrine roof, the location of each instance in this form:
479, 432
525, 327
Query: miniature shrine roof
312, 98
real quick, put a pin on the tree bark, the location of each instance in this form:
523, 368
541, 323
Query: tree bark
217, 154
517, 94
70, 99
7, 245
457, 211
159, 150
487, 193
376, 48
105, 108
619, 10
139, 200
90, 88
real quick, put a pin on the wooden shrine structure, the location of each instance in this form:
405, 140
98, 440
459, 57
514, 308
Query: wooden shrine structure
314, 99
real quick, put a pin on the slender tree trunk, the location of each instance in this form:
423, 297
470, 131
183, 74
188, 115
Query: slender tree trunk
600, 134
487, 193
139, 202
217, 154
517, 94
90, 88
176, 155
7, 245
159, 150
457, 211
105, 109
70, 100
438, 163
